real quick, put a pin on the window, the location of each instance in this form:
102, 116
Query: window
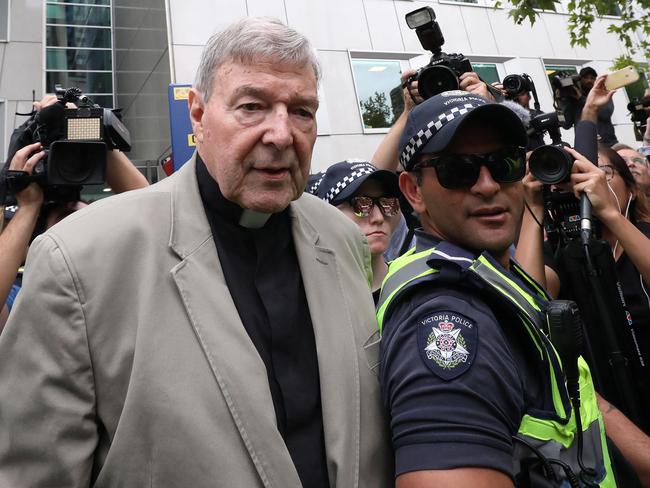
79, 47
78, 15
379, 91
4, 20
609, 9
79, 59
487, 71
561, 70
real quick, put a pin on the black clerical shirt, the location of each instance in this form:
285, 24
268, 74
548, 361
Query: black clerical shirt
262, 273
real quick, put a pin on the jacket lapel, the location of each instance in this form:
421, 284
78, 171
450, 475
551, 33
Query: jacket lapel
236, 366
335, 344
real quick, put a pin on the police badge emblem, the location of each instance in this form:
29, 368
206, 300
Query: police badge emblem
447, 343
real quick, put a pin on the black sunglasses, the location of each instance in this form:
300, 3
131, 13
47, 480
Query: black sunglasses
362, 205
456, 171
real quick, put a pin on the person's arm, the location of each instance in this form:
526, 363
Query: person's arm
598, 97
14, 240
629, 439
588, 178
386, 156
529, 252
121, 174
474, 477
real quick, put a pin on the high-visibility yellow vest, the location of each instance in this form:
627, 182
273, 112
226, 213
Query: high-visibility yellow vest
555, 437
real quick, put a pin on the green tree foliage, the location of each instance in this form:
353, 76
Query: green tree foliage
376, 111
633, 28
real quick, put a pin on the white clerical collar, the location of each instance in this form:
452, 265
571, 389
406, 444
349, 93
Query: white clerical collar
252, 219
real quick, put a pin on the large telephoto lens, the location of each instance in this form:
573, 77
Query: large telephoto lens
550, 164
436, 79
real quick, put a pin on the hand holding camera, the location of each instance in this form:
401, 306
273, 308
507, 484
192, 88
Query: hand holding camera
25, 160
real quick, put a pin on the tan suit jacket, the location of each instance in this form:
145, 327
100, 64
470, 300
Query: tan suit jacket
125, 363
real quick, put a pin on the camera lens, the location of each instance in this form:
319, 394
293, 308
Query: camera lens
436, 79
550, 164
513, 84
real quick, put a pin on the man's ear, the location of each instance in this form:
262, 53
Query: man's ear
411, 190
197, 109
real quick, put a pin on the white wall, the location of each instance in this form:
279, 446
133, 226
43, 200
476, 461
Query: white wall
21, 65
338, 26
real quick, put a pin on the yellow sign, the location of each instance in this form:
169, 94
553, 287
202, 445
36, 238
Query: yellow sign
191, 141
181, 92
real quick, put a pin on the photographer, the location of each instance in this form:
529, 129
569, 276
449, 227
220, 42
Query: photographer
575, 103
34, 215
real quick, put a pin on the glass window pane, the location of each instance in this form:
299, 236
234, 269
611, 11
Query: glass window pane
86, 82
487, 71
610, 9
105, 101
379, 91
78, 59
78, 15
91, 2
78, 36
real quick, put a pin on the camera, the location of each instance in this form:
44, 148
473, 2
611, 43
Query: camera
76, 141
517, 84
639, 116
443, 70
551, 164
565, 84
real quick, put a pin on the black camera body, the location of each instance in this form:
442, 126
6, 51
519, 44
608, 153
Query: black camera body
639, 116
76, 141
443, 71
517, 84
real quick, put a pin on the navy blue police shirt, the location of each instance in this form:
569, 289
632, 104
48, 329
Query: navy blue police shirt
457, 377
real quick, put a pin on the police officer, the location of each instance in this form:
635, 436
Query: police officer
474, 387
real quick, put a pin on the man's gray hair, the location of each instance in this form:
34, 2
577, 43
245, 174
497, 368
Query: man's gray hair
250, 40
619, 145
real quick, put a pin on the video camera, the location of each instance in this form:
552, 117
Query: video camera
639, 116
565, 84
76, 141
442, 72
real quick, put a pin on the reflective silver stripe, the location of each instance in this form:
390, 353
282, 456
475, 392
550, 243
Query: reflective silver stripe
490, 276
401, 276
451, 258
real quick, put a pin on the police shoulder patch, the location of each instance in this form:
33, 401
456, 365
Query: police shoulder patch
447, 343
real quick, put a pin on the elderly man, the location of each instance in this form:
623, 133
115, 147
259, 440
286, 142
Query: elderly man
216, 329
638, 163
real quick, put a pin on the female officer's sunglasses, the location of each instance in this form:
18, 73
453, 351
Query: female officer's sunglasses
362, 205
457, 171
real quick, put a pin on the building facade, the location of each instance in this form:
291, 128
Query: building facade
130, 56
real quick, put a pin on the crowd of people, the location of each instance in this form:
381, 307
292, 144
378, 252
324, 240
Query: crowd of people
380, 323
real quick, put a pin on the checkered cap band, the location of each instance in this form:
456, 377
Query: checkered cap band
314, 187
340, 185
432, 128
